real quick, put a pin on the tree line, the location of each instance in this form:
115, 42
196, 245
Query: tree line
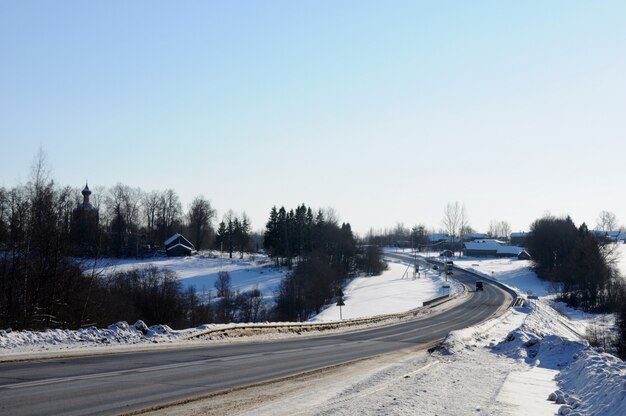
582, 266
325, 255
42, 285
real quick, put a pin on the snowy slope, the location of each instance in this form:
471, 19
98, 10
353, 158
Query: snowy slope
201, 271
388, 293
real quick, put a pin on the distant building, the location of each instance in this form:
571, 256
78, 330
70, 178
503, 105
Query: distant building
490, 248
523, 255
474, 236
178, 246
439, 237
84, 226
610, 235
519, 238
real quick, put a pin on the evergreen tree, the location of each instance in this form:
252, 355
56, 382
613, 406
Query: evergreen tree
270, 237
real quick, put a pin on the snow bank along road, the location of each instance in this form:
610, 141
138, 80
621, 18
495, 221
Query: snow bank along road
120, 383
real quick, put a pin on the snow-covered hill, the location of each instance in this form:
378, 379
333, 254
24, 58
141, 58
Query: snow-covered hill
201, 271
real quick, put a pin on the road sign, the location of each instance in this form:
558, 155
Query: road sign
340, 304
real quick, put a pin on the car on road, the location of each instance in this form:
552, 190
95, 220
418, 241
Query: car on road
479, 285
435, 267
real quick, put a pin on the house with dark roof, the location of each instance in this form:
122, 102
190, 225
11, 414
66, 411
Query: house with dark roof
519, 238
473, 236
178, 246
610, 235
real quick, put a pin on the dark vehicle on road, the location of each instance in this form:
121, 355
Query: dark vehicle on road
479, 285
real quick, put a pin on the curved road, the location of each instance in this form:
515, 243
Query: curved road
119, 383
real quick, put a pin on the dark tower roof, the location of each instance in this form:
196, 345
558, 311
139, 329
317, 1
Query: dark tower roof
86, 205
86, 192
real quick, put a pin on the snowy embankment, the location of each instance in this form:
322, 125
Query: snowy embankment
529, 361
550, 341
520, 276
393, 292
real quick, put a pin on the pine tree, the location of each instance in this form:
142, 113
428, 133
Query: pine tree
270, 237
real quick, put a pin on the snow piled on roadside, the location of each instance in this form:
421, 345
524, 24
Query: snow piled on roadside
599, 381
589, 382
529, 361
119, 333
521, 277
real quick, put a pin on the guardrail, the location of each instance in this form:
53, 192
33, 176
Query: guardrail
300, 327
432, 301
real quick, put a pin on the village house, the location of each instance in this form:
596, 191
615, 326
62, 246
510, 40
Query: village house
178, 246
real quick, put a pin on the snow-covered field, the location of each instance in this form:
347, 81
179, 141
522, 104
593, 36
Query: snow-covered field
201, 271
392, 292
533, 360
517, 274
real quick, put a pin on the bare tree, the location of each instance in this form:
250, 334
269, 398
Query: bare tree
122, 208
505, 230
330, 215
499, 229
200, 219
150, 205
454, 219
607, 221
223, 285
39, 170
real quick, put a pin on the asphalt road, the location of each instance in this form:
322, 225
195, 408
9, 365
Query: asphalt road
118, 383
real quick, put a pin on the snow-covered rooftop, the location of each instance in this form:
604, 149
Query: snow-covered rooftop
179, 245
181, 239
171, 239
492, 245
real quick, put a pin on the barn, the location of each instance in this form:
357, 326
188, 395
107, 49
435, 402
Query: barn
178, 246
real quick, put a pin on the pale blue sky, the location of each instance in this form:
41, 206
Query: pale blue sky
385, 111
